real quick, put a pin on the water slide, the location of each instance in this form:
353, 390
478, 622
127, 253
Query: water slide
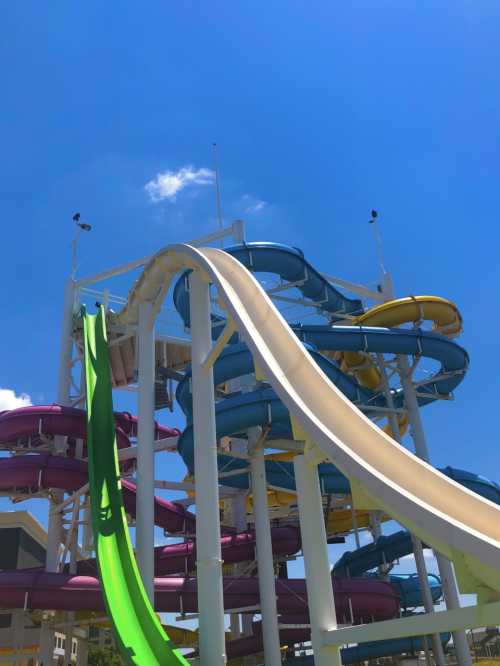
444, 514
30, 474
372, 650
139, 634
235, 414
32, 424
354, 343
39, 590
42, 471
265, 333
138, 631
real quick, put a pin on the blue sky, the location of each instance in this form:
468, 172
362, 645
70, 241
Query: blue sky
322, 111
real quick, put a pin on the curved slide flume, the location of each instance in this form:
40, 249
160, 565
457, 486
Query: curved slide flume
261, 407
373, 650
34, 590
30, 474
236, 413
452, 519
33, 422
290, 264
254, 644
139, 633
43, 470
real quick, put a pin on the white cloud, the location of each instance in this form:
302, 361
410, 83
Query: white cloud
252, 204
9, 400
168, 184
259, 205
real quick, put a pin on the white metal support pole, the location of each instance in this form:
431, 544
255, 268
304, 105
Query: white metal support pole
238, 228
375, 527
239, 520
63, 398
145, 454
267, 583
54, 528
417, 544
209, 560
64, 384
437, 646
54, 531
317, 567
18, 636
82, 651
355, 525
68, 651
445, 567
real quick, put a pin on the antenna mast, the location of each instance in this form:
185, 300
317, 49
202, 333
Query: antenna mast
378, 240
217, 187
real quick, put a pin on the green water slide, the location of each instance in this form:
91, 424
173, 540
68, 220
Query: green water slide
138, 631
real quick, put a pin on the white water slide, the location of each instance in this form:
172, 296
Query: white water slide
455, 521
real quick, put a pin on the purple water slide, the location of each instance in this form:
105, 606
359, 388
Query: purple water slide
34, 472
369, 600
41, 590
69, 474
241, 647
51, 420
31, 473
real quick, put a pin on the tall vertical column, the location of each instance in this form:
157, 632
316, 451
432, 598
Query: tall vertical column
238, 505
445, 567
66, 350
18, 621
82, 651
63, 398
267, 583
418, 552
317, 567
238, 231
144, 534
70, 616
54, 527
209, 560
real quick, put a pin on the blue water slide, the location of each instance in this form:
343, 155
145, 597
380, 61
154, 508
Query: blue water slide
236, 360
263, 407
234, 417
408, 587
291, 266
453, 358
366, 651
385, 549
236, 413
394, 546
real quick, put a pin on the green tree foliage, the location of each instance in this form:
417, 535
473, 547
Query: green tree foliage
104, 657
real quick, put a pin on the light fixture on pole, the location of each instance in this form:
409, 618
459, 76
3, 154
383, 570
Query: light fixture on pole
80, 226
378, 239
